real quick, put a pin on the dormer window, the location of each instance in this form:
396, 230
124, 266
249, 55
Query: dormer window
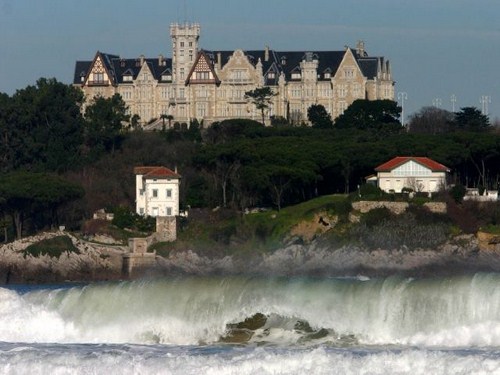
166, 77
328, 75
271, 75
296, 75
127, 78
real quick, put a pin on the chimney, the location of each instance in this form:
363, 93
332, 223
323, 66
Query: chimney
266, 54
160, 60
142, 59
360, 48
219, 60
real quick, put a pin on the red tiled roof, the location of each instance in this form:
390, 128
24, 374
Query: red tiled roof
400, 160
156, 172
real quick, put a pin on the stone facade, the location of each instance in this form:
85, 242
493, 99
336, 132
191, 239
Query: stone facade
211, 85
166, 229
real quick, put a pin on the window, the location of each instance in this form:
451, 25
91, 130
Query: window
271, 75
295, 75
99, 77
155, 193
141, 211
154, 211
182, 44
169, 193
202, 75
349, 73
328, 75
141, 191
169, 211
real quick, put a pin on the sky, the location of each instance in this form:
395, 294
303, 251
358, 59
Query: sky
437, 48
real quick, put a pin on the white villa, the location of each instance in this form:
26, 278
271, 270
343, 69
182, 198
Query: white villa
420, 174
157, 191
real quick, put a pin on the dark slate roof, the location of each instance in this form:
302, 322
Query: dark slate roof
118, 67
369, 66
289, 61
278, 62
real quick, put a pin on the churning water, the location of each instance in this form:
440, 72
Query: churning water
244, 325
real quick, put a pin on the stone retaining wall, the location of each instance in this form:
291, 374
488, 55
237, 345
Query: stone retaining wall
396, 207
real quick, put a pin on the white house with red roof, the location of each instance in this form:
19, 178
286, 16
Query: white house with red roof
420, 174
157, 191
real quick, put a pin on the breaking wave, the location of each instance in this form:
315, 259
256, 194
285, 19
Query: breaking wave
339, 312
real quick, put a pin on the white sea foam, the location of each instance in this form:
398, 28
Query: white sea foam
242, 361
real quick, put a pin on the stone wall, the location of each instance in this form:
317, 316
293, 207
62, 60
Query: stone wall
139, 245
396, 207
367, 206
436, 207
166, 229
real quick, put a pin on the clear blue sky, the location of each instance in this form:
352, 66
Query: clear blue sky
436, 47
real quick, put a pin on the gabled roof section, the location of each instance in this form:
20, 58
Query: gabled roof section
400, 160
156, 172
203, 70
102, 64
120, 67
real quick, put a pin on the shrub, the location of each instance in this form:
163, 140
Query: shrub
123, 217
52, 247
457, 192
376, 216
402, 230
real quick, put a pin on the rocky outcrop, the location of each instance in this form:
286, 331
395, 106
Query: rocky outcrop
93, 262
307, 230
488, 241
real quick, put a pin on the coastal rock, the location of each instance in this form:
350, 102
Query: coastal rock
93, 262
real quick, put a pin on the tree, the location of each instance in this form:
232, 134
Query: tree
25, 193
319, 117
431, 120
104, 123
41, 127
371, 114
261, 98
471, 119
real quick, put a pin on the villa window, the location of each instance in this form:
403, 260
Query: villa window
169, 193
155, 193
169, 211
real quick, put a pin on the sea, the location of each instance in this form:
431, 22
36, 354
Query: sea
254, 325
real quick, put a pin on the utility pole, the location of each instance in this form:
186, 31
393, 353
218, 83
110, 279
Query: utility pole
453, 100
402, 97
484, 100
437, 102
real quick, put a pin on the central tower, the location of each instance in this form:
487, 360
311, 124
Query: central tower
184, 49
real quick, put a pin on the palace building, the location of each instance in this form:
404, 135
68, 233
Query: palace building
210, 85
